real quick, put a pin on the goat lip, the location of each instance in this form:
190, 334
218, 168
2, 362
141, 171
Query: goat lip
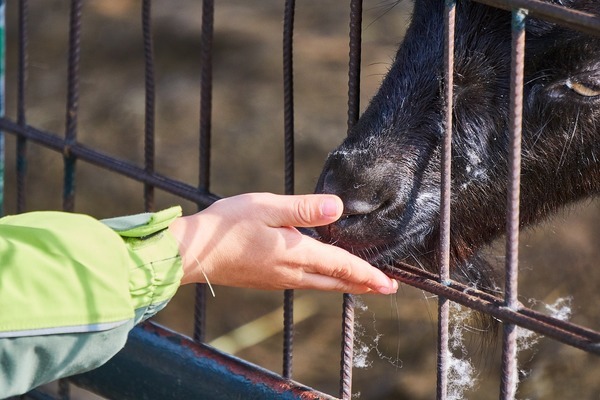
372, 252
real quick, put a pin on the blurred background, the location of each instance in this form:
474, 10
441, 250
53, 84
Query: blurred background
396, 334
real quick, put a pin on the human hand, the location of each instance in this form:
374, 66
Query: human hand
250, 241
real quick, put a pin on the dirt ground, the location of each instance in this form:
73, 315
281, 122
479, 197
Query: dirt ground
396, 333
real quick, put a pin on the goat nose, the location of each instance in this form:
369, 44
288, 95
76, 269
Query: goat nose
359, 198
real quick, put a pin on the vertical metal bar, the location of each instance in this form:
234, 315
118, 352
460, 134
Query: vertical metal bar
288, 99
354, 63
443, 351
346, 362
21, 87
149, 101
72, 103
509, 346
355, 35
205, 135
71, 128
2, 97
206, 92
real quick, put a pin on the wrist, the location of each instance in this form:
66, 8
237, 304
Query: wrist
184, 230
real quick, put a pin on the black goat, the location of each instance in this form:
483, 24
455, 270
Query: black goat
388, 169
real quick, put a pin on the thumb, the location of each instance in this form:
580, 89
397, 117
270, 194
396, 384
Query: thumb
306, 210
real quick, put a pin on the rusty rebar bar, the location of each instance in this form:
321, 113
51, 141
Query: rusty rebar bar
574, 19
206, 73
149, 111
22, 73
346, 362
443, 351
288, 101
354, 63
509, 380
102, 160
206, 87
563, 331
73, 75
2, 102
354, 68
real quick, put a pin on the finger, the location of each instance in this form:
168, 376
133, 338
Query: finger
328, 283
303, 210
339, 264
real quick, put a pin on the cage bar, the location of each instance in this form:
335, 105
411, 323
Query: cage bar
72, 104
443, 351
575, 19
21, 167
84, 153
2, 98
288, 101
149, 110
562, 331
356, 11
348, 305
206, 44
509, 345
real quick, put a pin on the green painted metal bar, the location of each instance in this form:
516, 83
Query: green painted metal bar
160, 364
2, 94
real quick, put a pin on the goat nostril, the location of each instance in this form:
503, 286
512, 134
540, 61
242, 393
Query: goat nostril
345, 216
359, 207
346, 221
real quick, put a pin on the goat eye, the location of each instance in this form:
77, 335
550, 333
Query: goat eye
582, 89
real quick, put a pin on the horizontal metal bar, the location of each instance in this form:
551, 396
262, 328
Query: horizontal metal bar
563, 331
160, 364
82, 152
578, 20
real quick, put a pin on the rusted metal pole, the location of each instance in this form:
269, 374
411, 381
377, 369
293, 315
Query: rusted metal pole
288, 100
508, 387
346, 361
72, 104
22, 72
2, 97
563, 331
54, 142
575, 19
208, 10
443, 351
149, 112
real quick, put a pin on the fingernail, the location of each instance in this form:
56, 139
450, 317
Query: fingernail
389, 289
329, 207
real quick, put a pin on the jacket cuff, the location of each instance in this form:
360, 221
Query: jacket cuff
157, 269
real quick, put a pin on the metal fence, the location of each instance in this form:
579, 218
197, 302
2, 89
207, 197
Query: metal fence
167, 359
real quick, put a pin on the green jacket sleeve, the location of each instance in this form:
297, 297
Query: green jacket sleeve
71, 288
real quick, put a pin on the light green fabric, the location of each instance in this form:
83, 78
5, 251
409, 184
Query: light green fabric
157, 267
71, 288
67, 272
61, 270
155, 253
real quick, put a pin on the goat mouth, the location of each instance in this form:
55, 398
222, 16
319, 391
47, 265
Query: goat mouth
379, 255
